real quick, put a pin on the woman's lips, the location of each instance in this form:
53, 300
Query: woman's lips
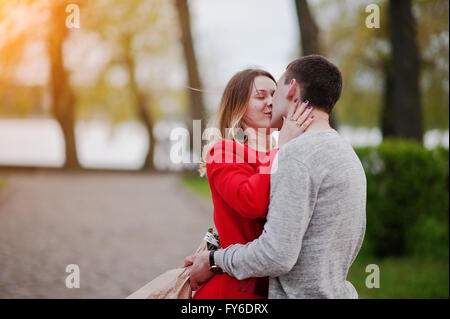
268, 114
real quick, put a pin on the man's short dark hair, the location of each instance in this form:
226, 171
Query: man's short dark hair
320, 80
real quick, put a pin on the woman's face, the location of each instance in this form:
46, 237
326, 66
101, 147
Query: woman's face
259, 108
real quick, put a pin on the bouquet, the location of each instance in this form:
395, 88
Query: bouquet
212, 240
174, 284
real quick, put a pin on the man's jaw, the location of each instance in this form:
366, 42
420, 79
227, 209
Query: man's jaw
276, 122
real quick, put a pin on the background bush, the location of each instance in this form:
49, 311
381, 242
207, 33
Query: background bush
407, 200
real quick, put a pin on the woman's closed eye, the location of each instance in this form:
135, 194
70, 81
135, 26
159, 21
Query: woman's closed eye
263, 95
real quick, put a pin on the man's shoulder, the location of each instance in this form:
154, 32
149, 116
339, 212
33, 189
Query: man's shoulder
314, 142
319, 150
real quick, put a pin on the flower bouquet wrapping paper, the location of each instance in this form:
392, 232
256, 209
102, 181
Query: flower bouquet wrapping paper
174, 283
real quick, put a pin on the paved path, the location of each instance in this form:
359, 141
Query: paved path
122, 230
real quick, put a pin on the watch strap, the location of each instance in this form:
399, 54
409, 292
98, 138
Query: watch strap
211, 258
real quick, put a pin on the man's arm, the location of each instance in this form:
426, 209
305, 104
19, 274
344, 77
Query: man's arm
276, 251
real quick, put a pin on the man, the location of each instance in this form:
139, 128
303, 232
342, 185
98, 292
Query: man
316, 220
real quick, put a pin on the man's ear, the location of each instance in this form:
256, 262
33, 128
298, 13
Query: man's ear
292, 90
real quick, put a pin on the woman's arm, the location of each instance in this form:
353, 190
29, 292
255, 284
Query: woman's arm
242, 187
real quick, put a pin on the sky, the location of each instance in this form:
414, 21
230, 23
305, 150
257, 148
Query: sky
234, 34
240, 33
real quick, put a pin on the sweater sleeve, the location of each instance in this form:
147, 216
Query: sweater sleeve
240, 185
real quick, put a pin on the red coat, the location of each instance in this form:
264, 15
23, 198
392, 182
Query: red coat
239, 178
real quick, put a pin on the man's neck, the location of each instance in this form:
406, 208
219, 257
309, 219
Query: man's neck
321, 121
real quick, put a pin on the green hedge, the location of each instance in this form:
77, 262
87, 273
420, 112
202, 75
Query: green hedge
407, 199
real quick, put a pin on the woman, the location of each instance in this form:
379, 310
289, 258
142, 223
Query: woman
238, 170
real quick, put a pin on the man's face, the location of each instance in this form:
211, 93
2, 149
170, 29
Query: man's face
280, 102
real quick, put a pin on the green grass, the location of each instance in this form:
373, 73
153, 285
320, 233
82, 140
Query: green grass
198, 185
404, 277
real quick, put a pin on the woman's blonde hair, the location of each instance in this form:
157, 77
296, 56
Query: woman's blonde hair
229, 117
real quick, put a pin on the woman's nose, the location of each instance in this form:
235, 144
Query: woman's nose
269, 101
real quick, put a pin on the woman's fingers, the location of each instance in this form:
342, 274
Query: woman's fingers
301, 110
306, 123
292, 109
291, 129
304, 115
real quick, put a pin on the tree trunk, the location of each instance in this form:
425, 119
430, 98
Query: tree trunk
309, 32
196, 105
141, 105
62, 96
147, 119
309, 36
405, 60
387, 109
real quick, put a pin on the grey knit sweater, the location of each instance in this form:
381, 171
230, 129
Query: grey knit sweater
315, 224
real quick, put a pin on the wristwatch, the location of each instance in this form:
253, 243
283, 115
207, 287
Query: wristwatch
212, 265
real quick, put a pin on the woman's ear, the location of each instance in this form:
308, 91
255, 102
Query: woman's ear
292, 90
